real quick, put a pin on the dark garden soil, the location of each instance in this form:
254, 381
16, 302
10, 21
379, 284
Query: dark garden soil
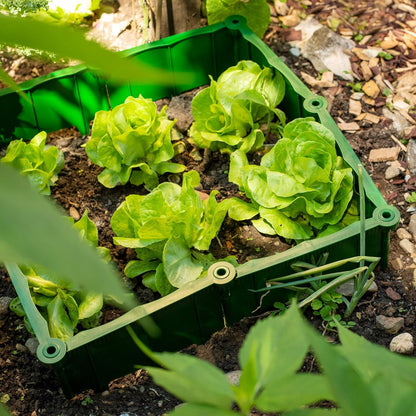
30, 388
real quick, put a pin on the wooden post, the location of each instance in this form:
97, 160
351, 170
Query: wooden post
168, 17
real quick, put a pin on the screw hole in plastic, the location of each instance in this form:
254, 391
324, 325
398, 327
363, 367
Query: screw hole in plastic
234, 22
387, 216
222, 272
315, 103
52, 351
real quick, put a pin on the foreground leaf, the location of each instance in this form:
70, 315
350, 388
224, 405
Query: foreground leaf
70, 43
192, 380
294, 392
188, 409
33, 231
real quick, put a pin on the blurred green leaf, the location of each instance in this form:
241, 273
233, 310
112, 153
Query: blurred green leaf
68, 42
192, 380
34, 231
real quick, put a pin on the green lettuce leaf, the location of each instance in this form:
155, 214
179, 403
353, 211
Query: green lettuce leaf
132, 142
301, 186
37, 161
167, 227
228, 113
257, 13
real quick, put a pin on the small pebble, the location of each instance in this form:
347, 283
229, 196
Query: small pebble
412, 225
347, 288
32, 345
392, 294
397, 264
4, 304
408, 246
73, 212
21, 348
105, 393
234, 377
389, 325
392, 172
294, 51
402, 233
402, 344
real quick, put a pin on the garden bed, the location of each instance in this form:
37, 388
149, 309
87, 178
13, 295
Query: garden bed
212, 305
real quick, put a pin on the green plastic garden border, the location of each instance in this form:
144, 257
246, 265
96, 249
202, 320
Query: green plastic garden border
70, 97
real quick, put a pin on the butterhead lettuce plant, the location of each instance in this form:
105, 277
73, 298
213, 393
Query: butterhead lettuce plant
132, 142
228, 113
39, 162
170, 228
63, 304
300, 187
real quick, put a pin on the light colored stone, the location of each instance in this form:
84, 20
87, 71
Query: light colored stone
392, 172
399, 123
21, 348
290, 20
388, 324
281, 8
73, 212
347, 288
324, 48
403, 233
408, 246
397, 264
402, 344
411, 156
234, 377
4, 304
412, 225
384, 154
32, 345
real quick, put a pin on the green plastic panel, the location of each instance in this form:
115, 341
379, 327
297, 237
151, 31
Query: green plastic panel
71, 97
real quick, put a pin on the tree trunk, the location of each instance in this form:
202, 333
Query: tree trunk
168, 17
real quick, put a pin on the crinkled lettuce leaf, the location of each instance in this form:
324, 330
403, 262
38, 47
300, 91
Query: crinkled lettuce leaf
39, 162
170, 228
228, 113
300, 188
132, 142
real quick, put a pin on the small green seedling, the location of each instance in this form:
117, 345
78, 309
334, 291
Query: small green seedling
385, 55
357, 87
411, 199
